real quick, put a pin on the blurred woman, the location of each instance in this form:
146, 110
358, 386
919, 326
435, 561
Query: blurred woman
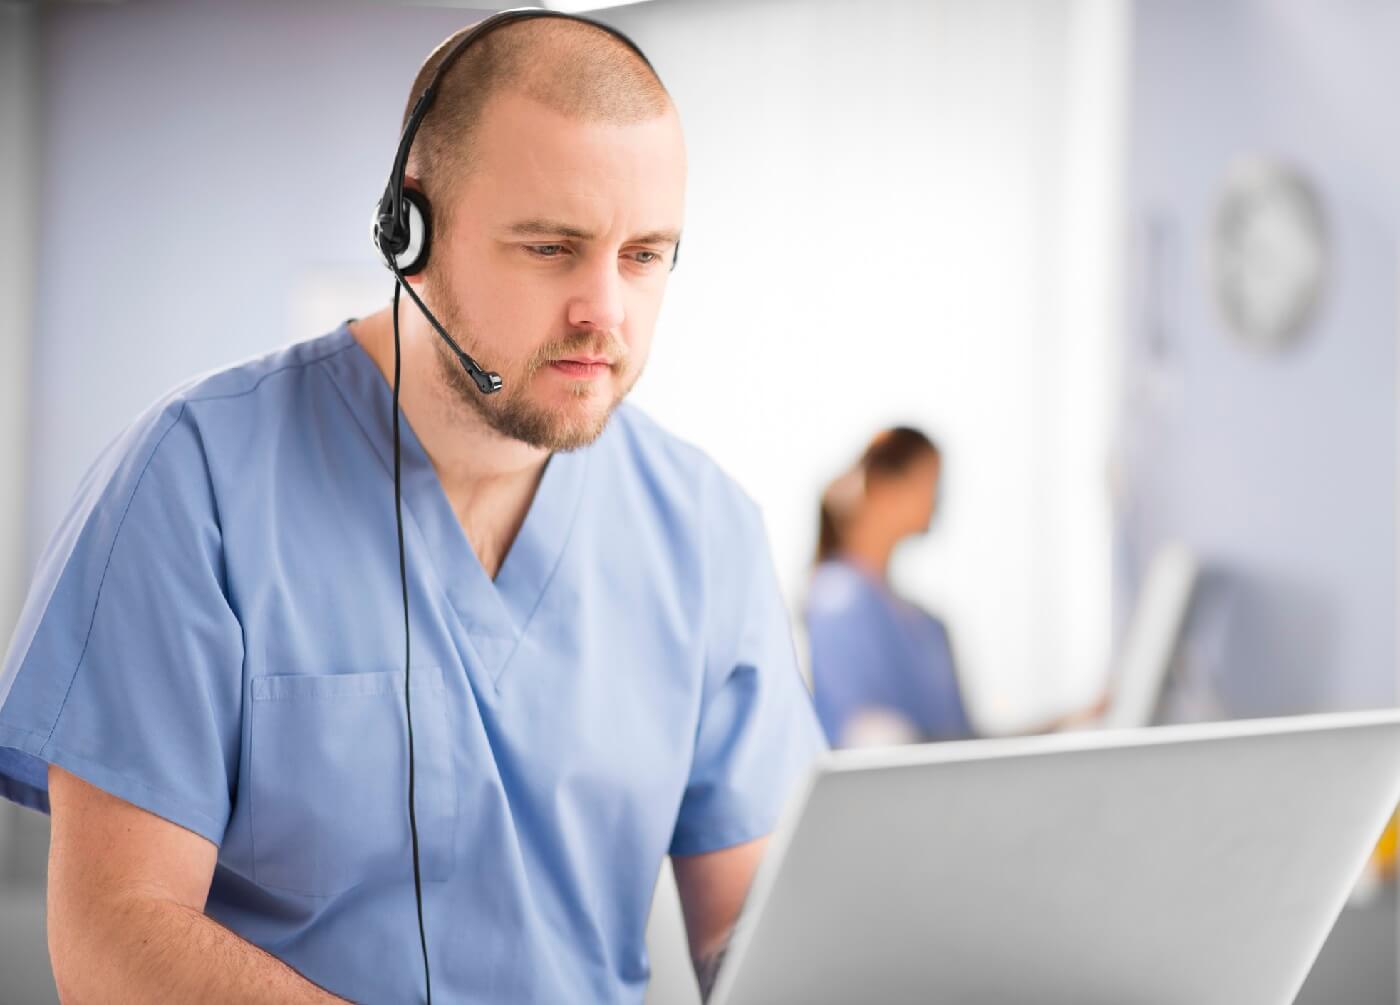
882, 667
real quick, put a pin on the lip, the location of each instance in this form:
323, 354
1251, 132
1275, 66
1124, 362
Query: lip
582, 367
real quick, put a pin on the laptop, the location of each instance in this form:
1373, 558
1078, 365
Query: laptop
1191, 864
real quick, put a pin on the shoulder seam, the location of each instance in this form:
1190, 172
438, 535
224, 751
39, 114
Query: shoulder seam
97, 598
302, 364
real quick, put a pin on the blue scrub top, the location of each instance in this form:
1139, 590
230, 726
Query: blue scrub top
870, 649
215, 634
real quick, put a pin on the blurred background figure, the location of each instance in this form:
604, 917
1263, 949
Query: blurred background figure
883, 671
882, 667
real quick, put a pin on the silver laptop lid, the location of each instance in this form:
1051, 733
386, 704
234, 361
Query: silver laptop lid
1196, 864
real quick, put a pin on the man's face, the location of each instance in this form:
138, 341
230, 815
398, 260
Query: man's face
552, 271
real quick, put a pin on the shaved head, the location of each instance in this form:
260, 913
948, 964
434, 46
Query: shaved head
570, 67
555, 164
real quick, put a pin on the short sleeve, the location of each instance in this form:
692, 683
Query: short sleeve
126, 667
757, 734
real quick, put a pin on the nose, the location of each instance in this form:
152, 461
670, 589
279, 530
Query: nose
597, 304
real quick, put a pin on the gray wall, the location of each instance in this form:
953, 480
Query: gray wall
200, 159
1280, 470
23, 836
19, 176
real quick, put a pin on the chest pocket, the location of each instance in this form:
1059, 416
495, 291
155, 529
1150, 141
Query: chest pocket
329, 767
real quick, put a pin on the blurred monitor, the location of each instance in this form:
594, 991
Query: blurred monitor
1152, 637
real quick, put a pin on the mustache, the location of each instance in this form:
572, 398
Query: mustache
606, 345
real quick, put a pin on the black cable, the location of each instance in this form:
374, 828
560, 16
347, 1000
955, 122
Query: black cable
407, 699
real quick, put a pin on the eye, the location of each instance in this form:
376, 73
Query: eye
645, 257
546, 250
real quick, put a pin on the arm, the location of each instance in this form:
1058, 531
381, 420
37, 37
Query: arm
126, 911
712, 888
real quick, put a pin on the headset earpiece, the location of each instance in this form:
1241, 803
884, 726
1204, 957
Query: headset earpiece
406, 235
419, 218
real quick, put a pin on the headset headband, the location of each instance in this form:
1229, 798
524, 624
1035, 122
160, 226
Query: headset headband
391, 221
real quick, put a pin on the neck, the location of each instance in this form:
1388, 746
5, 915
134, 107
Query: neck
489, 479
869, 545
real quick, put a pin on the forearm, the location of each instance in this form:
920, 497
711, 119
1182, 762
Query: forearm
712, 887
149, 950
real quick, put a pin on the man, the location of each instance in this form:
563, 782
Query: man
206, 686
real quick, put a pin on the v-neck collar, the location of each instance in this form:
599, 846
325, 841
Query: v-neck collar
494, 614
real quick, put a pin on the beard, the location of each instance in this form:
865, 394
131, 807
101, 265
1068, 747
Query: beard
510, 411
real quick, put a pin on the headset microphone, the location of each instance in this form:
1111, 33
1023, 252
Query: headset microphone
487, 382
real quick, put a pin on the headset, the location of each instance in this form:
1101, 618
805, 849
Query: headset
402, 233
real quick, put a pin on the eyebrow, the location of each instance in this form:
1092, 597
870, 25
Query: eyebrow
553, 228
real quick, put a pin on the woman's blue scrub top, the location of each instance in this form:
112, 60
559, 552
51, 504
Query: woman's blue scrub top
873, 650
215, 634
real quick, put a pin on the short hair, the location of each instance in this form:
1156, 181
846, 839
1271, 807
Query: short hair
891, 453
568, 65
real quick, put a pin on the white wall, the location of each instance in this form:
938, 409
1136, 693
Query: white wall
910, 217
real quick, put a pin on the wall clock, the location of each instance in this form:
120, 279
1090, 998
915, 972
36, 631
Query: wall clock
1268, 254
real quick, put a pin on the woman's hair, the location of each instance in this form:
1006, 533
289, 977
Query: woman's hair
890, 454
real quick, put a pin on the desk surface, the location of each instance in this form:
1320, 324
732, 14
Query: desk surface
1357, 965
